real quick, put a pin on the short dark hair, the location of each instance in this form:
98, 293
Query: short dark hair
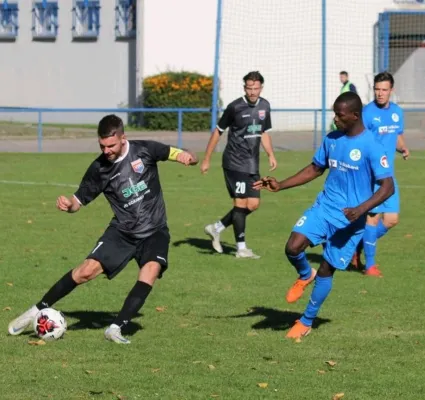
353, 101
384, 77
344, 73
109, 126
253, 76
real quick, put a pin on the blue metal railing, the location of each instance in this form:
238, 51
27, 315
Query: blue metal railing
180, 113
317, 138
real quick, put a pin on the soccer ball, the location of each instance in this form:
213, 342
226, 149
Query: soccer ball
49, 324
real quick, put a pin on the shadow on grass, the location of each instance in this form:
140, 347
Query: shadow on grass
98, 320
277, 320
204, 245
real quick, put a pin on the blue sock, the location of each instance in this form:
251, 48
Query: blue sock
369, 243
321, 290
301, 264
381, 230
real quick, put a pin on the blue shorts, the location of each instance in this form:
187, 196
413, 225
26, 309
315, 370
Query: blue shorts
339, 244
391, 205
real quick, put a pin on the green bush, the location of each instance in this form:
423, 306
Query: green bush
177, 89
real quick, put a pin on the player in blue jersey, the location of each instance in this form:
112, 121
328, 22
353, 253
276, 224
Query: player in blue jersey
386, 120
337, 218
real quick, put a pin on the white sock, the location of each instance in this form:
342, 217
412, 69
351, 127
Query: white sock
219, 227
241, 245
114, 326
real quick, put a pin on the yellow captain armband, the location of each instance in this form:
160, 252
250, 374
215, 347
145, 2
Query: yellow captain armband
174, 152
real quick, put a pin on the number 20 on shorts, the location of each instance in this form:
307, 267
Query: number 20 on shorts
240, 187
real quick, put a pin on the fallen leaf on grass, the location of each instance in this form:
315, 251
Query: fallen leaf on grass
338, 396
160, 309
9, 284
408, 235
210, 334
331, 363
215, 395
196, 362
88, 372
262, 385
211, 367
155, 370
36, 342
252, 333
188, 224
120, 397
321, 372
29, 222
363, 291
6, 309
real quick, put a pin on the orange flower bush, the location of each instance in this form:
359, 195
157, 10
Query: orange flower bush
181, 90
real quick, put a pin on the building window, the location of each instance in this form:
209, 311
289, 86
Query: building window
86, 19
45, 19
8, 20
125, 19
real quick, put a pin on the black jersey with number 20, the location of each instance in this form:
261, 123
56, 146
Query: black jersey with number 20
246, 123
131, 186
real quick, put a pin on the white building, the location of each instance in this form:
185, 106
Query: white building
84, 54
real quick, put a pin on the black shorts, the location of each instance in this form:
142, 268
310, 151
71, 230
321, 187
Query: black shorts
114, 250
239, 184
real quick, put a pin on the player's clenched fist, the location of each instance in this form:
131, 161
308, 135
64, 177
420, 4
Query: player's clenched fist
63, 203
205, 166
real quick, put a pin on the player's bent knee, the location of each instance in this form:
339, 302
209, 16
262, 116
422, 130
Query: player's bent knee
390, 221
149, 272
296, 244
242, 203
87, 271
253, 204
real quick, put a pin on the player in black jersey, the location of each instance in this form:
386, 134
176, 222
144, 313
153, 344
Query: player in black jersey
248, 120
127, 174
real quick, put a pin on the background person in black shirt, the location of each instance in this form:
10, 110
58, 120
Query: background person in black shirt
127, 174
248, 120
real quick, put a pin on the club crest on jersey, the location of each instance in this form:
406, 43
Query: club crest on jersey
355, 154
262, 114
138, 166
384, 162
395, 117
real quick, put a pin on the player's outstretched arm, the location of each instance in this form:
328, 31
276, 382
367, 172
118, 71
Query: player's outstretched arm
383, 193
212, 144
185, 157
307, 174
68, 205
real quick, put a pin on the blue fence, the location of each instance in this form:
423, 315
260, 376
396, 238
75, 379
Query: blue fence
414, 120
39, 112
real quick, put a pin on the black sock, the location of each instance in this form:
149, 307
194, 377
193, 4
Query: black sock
239, 223
133, 303
60, 289
227, 220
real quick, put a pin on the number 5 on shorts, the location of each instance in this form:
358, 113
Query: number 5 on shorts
98, 245
301, 221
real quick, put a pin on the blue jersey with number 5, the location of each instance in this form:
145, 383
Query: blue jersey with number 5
355, 163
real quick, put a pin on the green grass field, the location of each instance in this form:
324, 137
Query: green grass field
214, 326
